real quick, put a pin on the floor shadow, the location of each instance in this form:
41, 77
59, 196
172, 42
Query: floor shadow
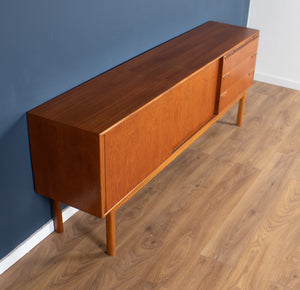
226, 123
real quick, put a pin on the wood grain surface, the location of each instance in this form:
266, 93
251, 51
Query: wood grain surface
237, 56
108, 98
65, 164
142, 142
238, 72
224, 215
139, 114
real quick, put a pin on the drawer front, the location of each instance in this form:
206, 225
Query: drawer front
135, 147
238, 72
238, 55
235, 90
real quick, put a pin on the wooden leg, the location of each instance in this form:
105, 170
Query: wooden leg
57, 216
111, 234
239, 120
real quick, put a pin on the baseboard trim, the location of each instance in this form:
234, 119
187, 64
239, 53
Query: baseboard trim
26, 246
271, 79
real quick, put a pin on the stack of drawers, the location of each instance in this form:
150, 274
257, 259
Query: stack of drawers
237, 72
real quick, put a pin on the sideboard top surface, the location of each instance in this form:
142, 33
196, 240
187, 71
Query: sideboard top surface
103, 101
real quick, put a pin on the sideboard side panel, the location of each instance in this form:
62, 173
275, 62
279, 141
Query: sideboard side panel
65, 163
139, 144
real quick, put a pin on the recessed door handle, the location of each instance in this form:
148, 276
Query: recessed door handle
226, 75
229, 54
224, 95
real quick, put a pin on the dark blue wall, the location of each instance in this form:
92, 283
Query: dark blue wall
50, 46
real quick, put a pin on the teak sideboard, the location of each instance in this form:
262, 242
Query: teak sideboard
96, 145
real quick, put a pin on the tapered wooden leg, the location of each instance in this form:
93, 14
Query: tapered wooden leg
240, 115
57, 216
111, 234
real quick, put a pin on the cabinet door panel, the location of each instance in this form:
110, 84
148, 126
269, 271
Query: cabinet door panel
136, 146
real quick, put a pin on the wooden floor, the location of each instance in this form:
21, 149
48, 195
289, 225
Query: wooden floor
224, 215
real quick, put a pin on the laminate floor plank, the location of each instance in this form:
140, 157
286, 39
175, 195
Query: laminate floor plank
182, 233
273, 286
165, 234
292, 141
223, 215
230, 242
263, 260
203, 275
263, 137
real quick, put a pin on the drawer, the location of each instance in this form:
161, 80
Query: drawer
139, 144
238, 72
235, 90
239, 54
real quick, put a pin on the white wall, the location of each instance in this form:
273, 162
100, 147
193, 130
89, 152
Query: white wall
278, 60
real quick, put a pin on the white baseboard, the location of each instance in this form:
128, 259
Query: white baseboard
26, 246
275, 80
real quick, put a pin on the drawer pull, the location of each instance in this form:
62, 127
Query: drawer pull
226, 75
229, 54
223, 95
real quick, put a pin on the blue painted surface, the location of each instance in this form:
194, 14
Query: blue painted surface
48, 47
